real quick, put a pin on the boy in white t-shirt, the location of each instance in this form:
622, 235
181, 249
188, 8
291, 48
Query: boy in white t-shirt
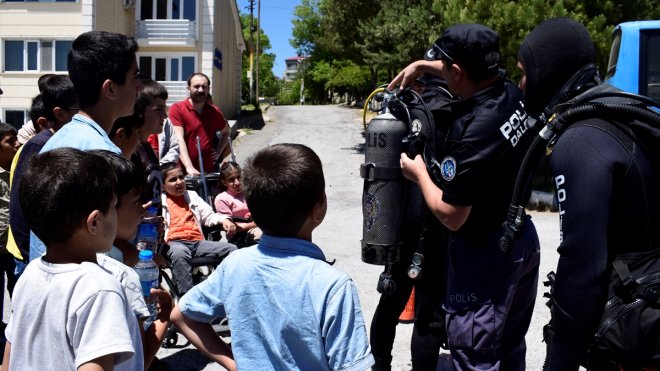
64, 303
130, 182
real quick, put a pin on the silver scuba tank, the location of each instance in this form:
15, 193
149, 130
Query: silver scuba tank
383, 190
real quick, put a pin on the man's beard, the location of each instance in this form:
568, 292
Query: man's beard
198, 97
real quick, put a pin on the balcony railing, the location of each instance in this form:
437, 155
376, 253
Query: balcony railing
167, 31
176, 91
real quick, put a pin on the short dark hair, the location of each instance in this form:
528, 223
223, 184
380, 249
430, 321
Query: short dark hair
37, 109
128, 123
96, 56
43, 79
58, 91
60, 188
198, 74
150, 90
282, 183
164, 168
128, 175
6, 129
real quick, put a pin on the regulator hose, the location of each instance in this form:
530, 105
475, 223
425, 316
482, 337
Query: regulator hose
555, 126
366, 105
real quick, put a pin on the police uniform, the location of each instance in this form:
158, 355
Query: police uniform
490, 294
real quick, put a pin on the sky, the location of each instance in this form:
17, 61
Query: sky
276, 23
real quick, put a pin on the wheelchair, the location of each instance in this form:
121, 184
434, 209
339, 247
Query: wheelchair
202, 266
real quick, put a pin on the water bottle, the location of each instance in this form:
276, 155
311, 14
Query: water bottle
147, 235
148, 272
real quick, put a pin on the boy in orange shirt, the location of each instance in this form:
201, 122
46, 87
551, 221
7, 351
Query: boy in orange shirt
184, 215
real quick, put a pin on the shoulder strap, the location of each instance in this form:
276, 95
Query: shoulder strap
631, 282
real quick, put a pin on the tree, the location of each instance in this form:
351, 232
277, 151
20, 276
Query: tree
306, 27
268, 82
384, 36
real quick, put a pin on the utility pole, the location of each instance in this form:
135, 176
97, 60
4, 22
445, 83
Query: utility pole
251, 51
256, 68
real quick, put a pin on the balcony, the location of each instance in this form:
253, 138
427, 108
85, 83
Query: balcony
166, 32
176, 91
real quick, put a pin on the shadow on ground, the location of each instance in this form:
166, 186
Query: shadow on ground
252, 120
187, 360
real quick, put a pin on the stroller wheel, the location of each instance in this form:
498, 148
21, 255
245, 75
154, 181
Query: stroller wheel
171, 339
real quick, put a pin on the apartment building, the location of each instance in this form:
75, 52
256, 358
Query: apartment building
292, 68
175, 37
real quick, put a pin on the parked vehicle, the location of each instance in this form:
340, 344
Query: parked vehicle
634, 63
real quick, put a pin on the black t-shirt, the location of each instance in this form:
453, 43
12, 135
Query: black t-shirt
609, 204
145, 159
482, 154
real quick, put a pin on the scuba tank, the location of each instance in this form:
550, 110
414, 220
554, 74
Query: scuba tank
394, 209
382, 194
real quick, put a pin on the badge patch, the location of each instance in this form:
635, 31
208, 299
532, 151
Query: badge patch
370, 210
448, 168
416, 126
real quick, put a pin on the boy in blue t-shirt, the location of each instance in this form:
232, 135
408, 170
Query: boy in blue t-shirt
288, 308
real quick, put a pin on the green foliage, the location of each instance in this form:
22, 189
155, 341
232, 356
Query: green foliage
379, 38
306, 27
290, 93
268, 83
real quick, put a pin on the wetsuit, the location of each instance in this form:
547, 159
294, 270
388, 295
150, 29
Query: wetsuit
609, 204
490, 294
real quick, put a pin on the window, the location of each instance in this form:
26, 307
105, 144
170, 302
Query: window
15, 117
40, 1
164, 68
649, 64
168, 9
36, 55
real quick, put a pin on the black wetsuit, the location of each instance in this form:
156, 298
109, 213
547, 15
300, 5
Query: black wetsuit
609, 204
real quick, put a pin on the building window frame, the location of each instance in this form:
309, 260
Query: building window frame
17, 125
36, 54
183, 12
182, 72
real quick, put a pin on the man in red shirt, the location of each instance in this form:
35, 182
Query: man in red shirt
196, 117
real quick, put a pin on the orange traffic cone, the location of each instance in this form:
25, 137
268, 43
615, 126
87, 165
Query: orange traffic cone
408, 314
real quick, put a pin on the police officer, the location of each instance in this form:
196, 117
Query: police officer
490, 294
607, 193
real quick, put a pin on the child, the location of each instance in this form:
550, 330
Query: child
56, 106
103, 69
232, 202
68, 311
287, 307
151, 108
130, 182
8, 146
185, 213
125, 134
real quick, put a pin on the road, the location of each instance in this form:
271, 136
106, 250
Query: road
335, 133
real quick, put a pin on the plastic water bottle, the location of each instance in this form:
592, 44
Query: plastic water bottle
147, 235
148, 272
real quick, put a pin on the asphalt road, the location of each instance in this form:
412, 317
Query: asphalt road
335, 133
